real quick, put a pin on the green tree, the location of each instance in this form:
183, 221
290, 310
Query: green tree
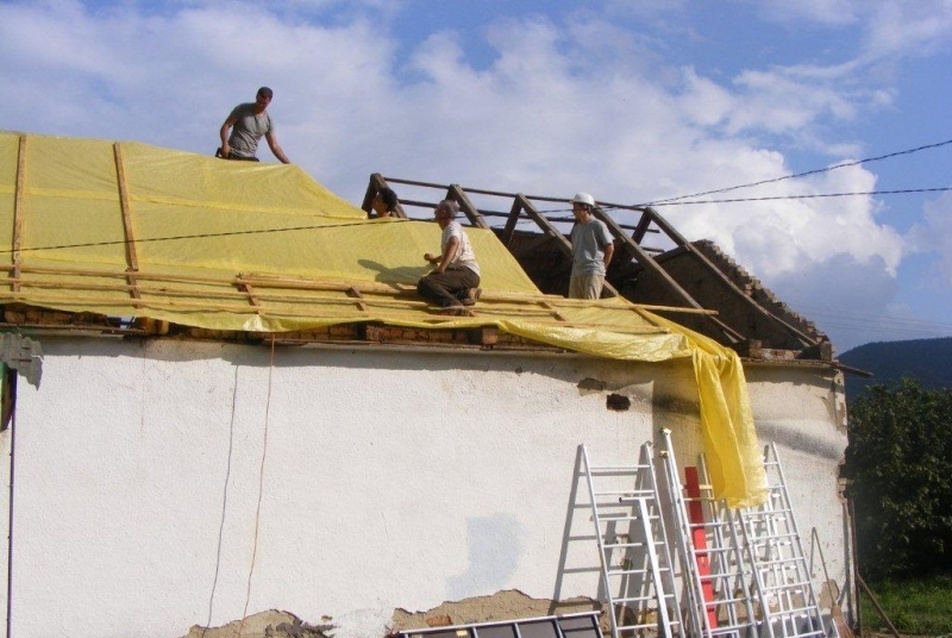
899, 462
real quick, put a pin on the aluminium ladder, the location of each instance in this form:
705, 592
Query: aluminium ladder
636, 567
718, 601
782, 580
760, 585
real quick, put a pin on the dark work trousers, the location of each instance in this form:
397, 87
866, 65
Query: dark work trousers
448, 288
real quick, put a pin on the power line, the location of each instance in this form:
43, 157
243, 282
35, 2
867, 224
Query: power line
145, 240
814, 196
908, 151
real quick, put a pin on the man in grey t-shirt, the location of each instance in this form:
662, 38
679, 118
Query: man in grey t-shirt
248, 123
592, 250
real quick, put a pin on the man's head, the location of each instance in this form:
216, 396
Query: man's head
582, 205
445, 212
263, 99
385, 202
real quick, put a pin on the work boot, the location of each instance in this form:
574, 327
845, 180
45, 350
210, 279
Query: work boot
472, 296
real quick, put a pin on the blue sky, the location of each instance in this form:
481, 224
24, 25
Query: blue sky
632, 101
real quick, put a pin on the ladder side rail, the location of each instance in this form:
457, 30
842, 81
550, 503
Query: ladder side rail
700, 624
664, 622
601, 544
733, 562
757, 581
670, 585
803, 572
774, 519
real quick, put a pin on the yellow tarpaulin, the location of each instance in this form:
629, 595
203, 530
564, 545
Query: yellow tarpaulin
132, 230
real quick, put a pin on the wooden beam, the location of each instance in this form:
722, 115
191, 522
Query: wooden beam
474, 216
643, 258
132, 259
511, 222
249, 291
18, 213
743, 297
353, 292
554, 232
375, 184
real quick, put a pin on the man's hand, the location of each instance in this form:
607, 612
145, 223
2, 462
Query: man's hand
430, 257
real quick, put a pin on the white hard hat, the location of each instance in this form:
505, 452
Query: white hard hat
584, 198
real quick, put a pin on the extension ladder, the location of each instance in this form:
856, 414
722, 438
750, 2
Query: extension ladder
750, 578
637, 571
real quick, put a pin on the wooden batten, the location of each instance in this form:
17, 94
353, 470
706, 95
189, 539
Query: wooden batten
132, 259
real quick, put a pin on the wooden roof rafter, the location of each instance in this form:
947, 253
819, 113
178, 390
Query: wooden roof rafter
18, 214
132, 259
377, 183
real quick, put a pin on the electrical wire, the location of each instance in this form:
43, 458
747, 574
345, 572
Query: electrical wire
803, 174
264, 456
814, 196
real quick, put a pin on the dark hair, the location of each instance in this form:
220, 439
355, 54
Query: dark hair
388, 197
265, 91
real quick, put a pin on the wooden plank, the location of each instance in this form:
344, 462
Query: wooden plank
131, 258
374, 185
249, 291
511, 221
743, 297
18, 214
555, 313
475, 217
353, 292
554, 232
644, 258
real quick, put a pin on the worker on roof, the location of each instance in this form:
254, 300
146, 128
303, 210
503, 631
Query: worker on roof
248, 122
384, 203
454, 282
592, 250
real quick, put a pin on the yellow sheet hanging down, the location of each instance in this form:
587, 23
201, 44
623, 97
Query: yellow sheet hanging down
127, 229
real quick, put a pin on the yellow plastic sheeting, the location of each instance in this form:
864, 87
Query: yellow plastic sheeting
255, 247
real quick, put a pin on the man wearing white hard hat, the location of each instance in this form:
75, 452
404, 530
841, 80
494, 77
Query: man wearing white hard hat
592, 249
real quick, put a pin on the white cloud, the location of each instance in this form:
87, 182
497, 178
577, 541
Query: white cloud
827, 12
910, 28
934, 235
560, 106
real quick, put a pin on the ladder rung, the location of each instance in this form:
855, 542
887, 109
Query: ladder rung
789, 587
771, 512
783, 563
651, 625
720, 630
723, 601
609, 519
714, 550
624, 572
628, 492
633, 599
801, 612
596, 469
617, 545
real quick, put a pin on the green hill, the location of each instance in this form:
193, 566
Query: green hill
928, 360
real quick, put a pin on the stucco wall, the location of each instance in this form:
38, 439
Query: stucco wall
391, 478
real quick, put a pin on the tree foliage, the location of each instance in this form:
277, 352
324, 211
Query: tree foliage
899, 462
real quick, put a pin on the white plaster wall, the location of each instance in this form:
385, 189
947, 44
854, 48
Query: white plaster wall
390, 478
801, 409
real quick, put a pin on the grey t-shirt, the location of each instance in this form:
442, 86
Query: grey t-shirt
589, 240
248, 129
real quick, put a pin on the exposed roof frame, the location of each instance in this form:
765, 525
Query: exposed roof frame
650, 222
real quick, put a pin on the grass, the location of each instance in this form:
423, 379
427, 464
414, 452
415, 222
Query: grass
921, 607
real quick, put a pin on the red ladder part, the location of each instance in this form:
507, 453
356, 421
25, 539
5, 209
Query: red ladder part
692, 487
